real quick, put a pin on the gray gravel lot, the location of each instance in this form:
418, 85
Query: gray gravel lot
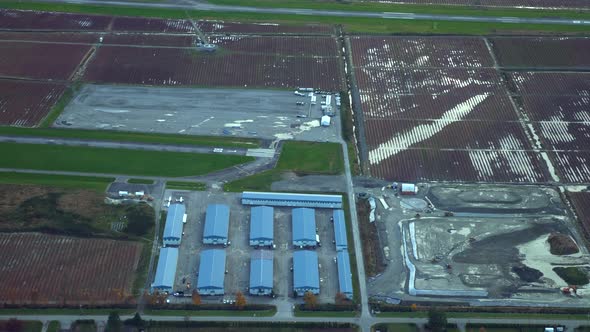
269, 114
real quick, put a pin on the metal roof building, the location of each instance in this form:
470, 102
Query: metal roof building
216, 224
166, 270
292, 200
306, 276
304, 229
344, 274
211, 272
261, 226
173, 227
261, 273
340, 230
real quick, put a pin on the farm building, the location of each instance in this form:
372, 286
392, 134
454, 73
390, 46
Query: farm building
344, 274
166, 270
261, 226
306, 276
211, 272
292, 200
261, 273
173, 228
304, 230
340, 230
216, 224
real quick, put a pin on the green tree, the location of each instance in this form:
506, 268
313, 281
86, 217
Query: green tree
114, 323
140, 219
135, 321
437, 320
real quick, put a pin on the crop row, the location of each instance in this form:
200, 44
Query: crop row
444, 134
581, 203
547, 83
420, 52
495, 107
26, 103
379, 81
567, 136
59, 269
40, 60
557, 108
542, 52
166, 66
573, 166
295, 46
473, 165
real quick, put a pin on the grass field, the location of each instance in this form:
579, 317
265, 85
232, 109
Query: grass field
54, 326
140, 181
396, 327
21, 326
113, 161
350, 24
180, 185
405, 8
224, 313
57, 312
499, 328
62, 181
531, 316
124, 136
299, 157
245, 328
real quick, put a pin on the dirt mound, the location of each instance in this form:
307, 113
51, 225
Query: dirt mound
562, 244
526, 273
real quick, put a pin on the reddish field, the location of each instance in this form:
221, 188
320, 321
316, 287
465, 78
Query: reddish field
265, 28
471, 166
26, 103
581, 204
296, 46
40, 60
151, 25
564, 84
502, 3
67, 37
420, 52
149, 40
542, 52
49, 269
34, 20
495, 107
557, 108
566, 136
168, 66
573, 167
380, 81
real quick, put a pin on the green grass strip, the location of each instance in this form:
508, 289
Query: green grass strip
113, 161
125, 136
311, 158
61, 311
54, 326
224, 313
63, 181
194, 186
531, 316
351, 24
140, 181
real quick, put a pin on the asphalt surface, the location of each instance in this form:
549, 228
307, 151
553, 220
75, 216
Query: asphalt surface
196, 5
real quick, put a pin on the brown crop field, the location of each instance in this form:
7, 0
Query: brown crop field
420, 52
26, 103
501, 3
526, 52
295, 46
169, 66
40, 60
51, 269
263, 28
548, 107
543, 83
140, 24
36, 20
59, 37
149, 40
581, 204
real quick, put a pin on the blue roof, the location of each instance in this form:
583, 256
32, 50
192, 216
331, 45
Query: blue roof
305, 269
344, 274
288, 199
261, 269
340, 229
173, 227
261, 222
166, 270
211, 269
303, 224
216, 221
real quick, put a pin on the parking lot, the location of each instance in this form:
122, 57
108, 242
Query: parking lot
238, 252
268, 114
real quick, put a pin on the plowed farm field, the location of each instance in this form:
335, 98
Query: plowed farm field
542, 52
295, 46
218, 27
36, 20
40, 60
50, 269
170, 66
581, 204
26, 103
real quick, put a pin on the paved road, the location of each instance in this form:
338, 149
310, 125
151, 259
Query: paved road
121, 145
198, 5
